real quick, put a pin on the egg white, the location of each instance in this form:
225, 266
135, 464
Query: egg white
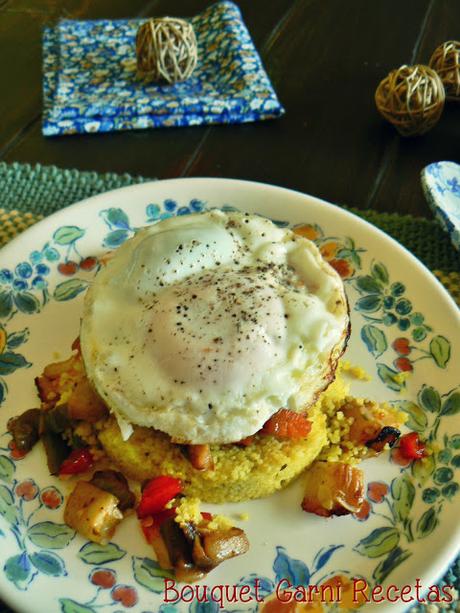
203, 326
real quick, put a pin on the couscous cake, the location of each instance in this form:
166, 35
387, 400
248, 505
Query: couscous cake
240, 472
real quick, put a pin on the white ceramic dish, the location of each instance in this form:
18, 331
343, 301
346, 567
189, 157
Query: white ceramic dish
403, 321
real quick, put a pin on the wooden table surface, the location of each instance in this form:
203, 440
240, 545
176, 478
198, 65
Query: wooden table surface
325, 59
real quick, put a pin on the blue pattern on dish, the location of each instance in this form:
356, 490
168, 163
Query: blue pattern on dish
441, 184
90, 82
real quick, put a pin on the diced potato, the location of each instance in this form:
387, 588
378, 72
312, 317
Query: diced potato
333, 488
93, 512
221, 545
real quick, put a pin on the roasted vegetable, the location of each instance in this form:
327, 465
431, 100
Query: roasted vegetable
156, 494
200, 457
373, 425
151, 525
56, 369
92, 512
48, 383
179, 551
199, 555
161, 551
56, 419
286, 424
386, 436
411, 447
221, 545
85, 404
246, 441
176, 542
25, 429
191, 549
333, 488
47, 390
78, 462
56, 449
194, 550
115, 482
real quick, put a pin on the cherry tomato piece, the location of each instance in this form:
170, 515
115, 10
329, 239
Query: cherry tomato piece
79, 461
156, 494
411, 447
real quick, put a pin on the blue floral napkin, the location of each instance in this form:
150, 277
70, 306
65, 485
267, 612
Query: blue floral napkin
90, 82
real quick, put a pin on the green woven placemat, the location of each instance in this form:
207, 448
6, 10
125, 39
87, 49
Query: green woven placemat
41, 190
28, 193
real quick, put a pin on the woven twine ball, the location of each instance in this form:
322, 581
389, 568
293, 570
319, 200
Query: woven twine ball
411, 98
446, 61
166, 49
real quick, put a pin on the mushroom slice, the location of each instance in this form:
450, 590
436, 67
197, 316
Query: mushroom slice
179, 552
200, 557
192, 551
221, 545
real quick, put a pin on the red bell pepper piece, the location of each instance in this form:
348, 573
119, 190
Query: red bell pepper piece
245, 442
411, 447
149, 529
151, 524
206, 516
79, 461
287, 424
156, 494
162, 516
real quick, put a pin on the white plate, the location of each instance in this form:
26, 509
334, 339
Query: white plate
412, 533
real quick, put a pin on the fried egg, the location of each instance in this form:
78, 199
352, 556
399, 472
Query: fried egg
203, 326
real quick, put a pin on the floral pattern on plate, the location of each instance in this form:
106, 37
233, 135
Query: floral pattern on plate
37, 542
383, 304
401, 510
10, 359
90, 82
